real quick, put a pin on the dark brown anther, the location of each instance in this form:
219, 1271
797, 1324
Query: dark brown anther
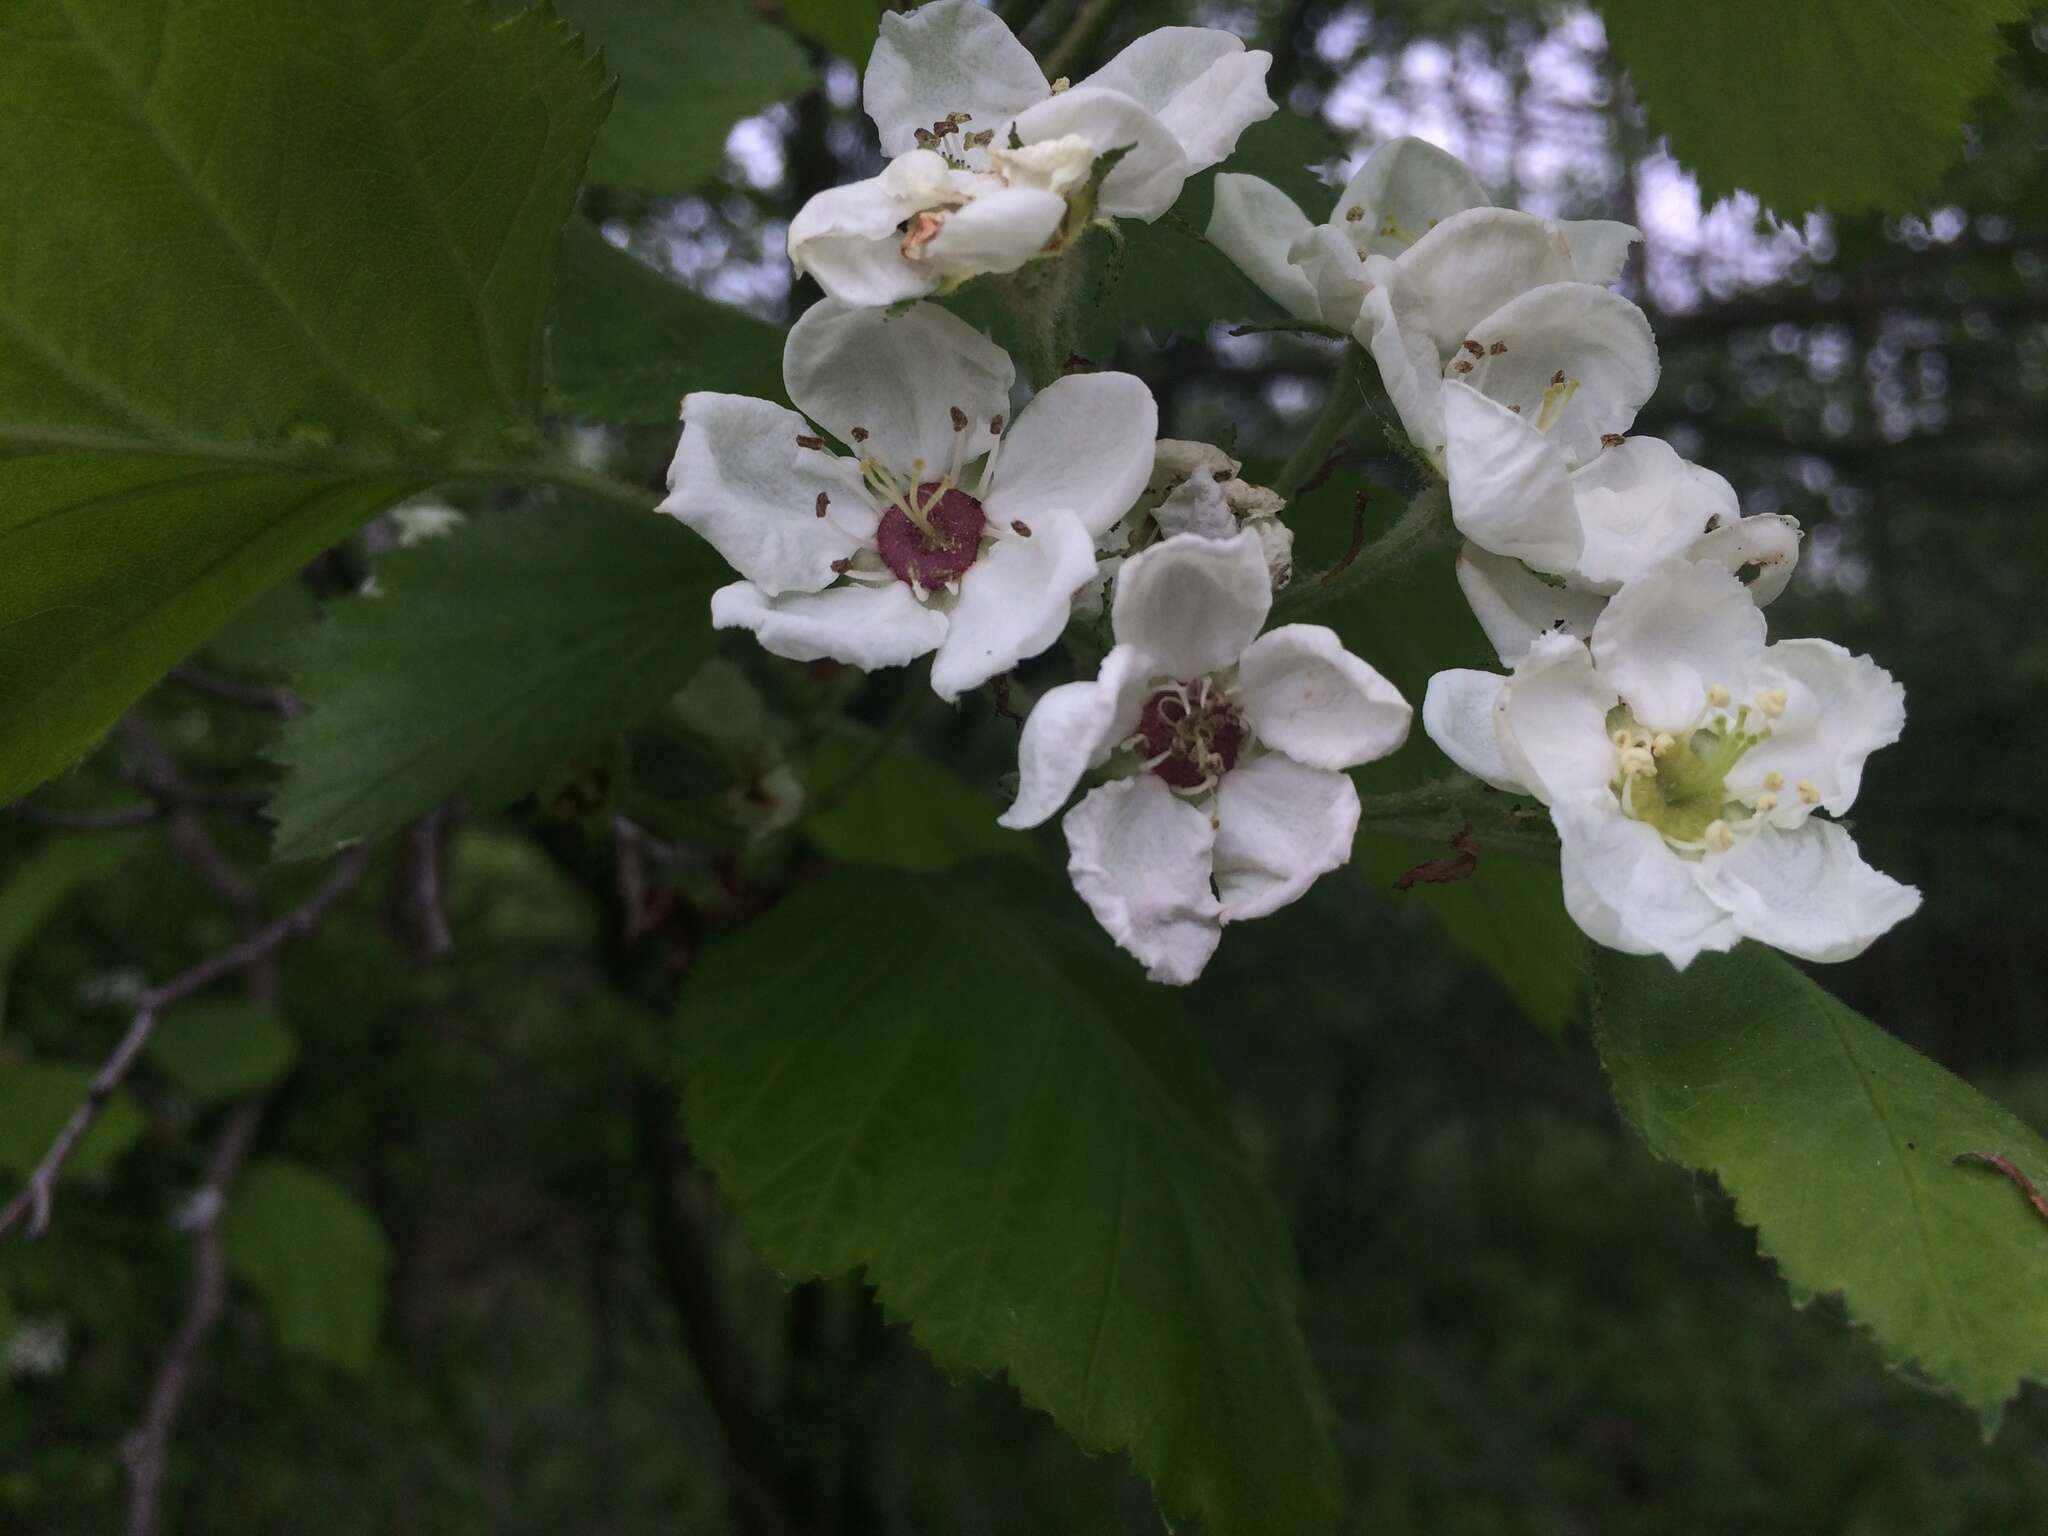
1611, 439
1353, 214
1515, 409
1462, 365
995, 425
842, 566
1021, 528
1497, 348
1713, 522
860, 434
809, 442
959, 419
1473, 347
824, 501
1557, 378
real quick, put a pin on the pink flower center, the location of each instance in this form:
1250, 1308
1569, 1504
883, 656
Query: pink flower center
1189, 734
930, 560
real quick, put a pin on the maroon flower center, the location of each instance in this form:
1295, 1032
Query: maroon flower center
1190, 734
930, 560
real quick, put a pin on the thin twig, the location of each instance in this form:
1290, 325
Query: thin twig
115, 820
2011, 1170
146, 1450
421, 852
34, 1198
1359, 503
270, 699
1291, 328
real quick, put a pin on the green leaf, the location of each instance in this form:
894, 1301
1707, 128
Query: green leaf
687, 71
488, 659
315, 1255
1846, 103
628, 344
847, 28
1838, 1144
1508, 915
954, 1083
44, 881
37, 1097
265, 272
901, 810
219, 1048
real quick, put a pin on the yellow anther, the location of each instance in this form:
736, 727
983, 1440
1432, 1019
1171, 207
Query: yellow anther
1717, 696
1809, 792
1720, 836
1774, 780
1662, 743
1772, 702
1765, 804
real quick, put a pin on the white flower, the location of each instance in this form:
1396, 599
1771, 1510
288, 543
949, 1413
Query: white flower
1630, 507
1405, 189
1232, 746
1683, 760
902, 548
1493, 299
1195, 488
993, 165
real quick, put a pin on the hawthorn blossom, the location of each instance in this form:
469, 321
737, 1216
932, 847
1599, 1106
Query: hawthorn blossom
1229, 797
1683, 760
1631, 506
992, 165
1195, 488
1403, 192
945, 529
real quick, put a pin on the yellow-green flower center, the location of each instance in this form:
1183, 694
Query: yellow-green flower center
1679, 783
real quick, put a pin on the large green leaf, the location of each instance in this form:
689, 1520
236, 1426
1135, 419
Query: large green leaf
263, 270
1838, 1145
688, 70
219, 1048
628, 344
315, 1255
1508, 914
1856, 104
41, 883
845, 27
901, 809
485, 660
37, 1097
953, 1082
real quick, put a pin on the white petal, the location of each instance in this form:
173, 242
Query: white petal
949, 56
1458, 711
741, 480
1191, 604
897, 378
1280, 826
1589, 335
1071, 729
1198, 81
1198, 506
1599, 248
1145, 182
1509, 490
1255, 224
865, 627
1839, 709
1630, 892
1084, 443
1392, 327
847, 238
1404, 190
997, 232
1806, 891
1014, 601
1335, 271
1514, 605
1475, 262
1140, 858
1640, 504
1766, 547
1305, 695
1668, 636
1552, 721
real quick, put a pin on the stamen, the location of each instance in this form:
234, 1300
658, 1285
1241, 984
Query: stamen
1021, 528
1719, 836
823, 502
1765, 804
1774, 780
1662, 743
1772, 702
1809, 792
1717, 696
805, 441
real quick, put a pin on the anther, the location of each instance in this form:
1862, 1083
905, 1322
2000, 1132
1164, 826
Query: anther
1611, 439
1765, 804
1354, 213
1462, 366
1717, 696
1774, 780
1496, 349
1772, 702
823, 502
995, 425
1557, 378
959, 419
809, 442
1020, 527
860, 434
1809, 792
1662, 743
1719, 836
842, 566
1473, 347
1622, 740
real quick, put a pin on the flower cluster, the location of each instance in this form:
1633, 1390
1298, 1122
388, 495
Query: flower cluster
908, 506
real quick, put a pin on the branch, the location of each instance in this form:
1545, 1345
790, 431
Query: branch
34, 1199
422, 851
115, 820
281, 702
